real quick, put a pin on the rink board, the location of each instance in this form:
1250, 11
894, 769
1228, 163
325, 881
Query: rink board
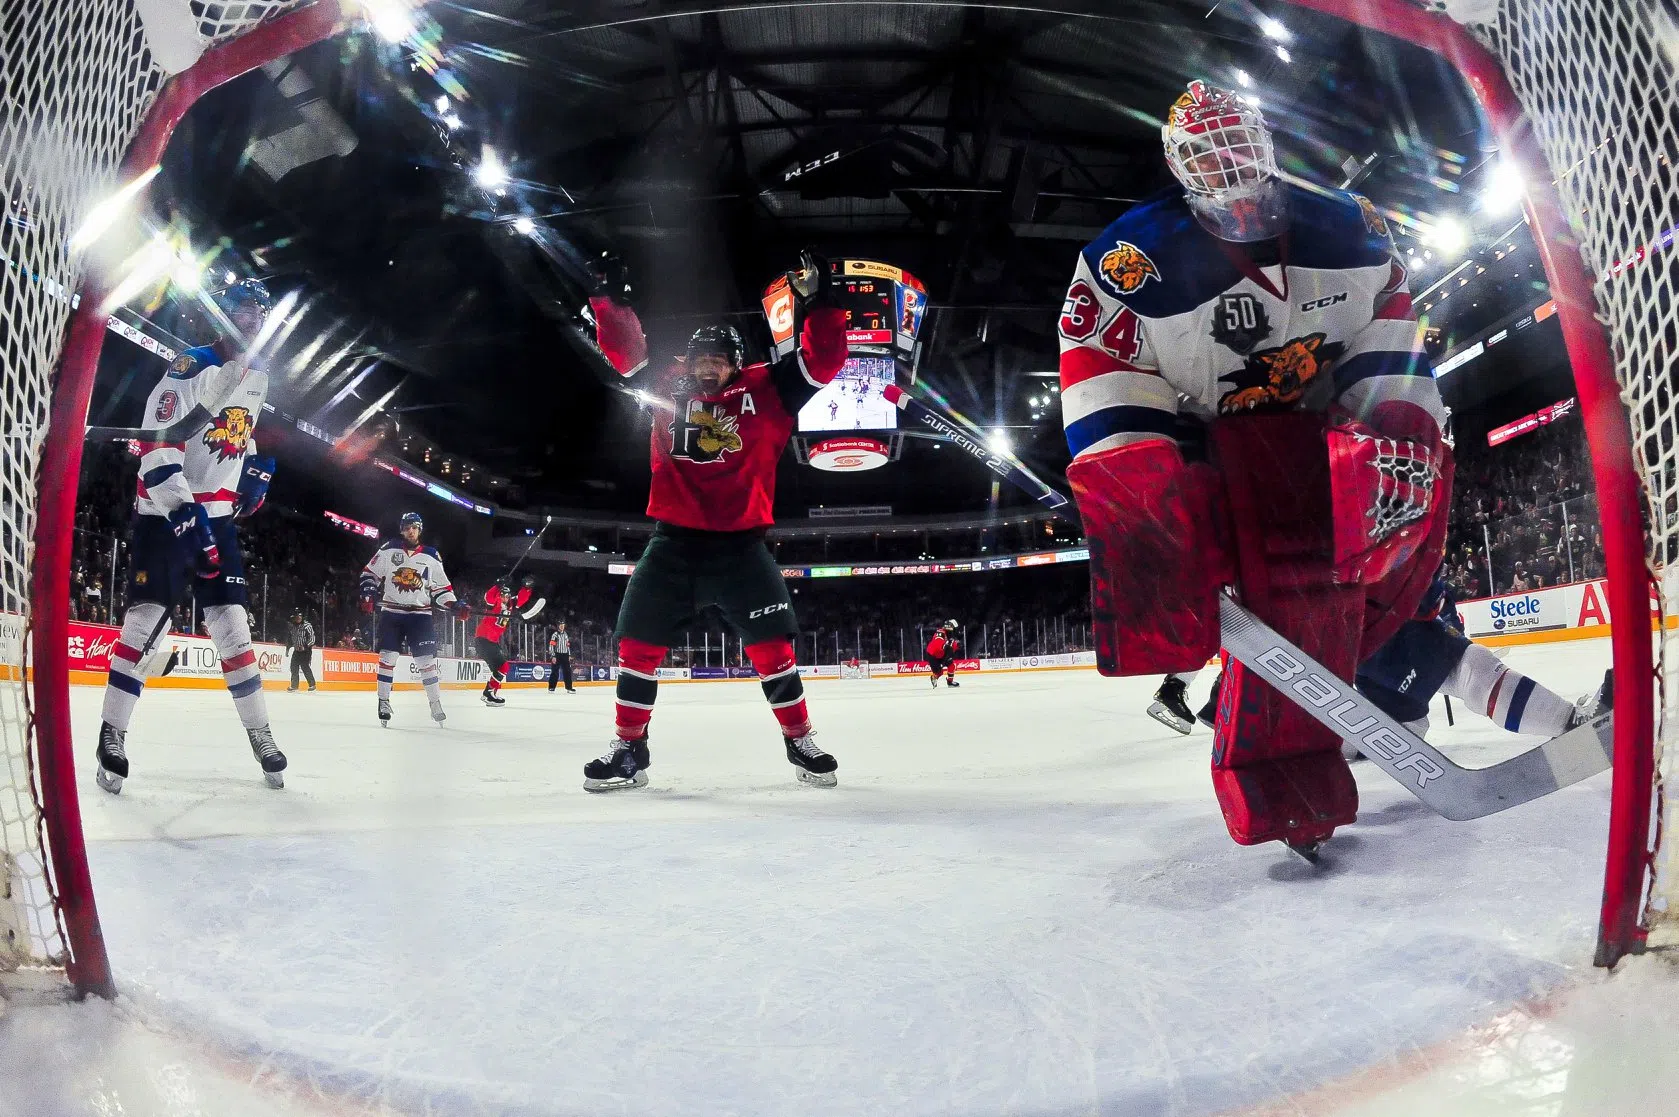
1576, 611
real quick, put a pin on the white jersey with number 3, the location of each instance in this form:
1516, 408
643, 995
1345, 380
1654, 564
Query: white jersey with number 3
206, 465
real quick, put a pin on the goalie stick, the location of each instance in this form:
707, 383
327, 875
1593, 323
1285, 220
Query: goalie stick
1445, 787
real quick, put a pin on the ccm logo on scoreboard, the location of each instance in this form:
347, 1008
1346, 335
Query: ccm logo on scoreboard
848, 455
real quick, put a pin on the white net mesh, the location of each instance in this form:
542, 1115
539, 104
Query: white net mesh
77, 79
1599, 80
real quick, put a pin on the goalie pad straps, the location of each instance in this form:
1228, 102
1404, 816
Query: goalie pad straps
1385, 491
1157, 557
1278, 774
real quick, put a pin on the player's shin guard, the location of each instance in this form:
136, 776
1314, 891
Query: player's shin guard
1511, 699
127, 679
231, 631
638, 686
386, 674
426, 665
779, 672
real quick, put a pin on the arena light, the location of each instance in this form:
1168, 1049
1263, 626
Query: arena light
1282, 53
1503, 190
1244, 79
524, 225
229, 277
141, 270
187, 276
1273, 29
999, 443
390, 18
442, 104
1449, 237
490, 171
105, 214
452, 122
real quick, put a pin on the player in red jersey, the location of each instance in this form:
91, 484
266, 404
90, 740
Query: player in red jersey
714, 461
501, 601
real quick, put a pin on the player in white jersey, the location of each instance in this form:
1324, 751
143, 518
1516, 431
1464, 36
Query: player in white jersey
1248, 404
189, 493
407, 581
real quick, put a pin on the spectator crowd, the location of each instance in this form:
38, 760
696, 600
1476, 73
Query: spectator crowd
1523, 517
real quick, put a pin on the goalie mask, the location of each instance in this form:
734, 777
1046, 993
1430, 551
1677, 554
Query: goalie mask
1220, 150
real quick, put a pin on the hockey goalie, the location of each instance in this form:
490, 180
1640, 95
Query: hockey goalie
1249, 407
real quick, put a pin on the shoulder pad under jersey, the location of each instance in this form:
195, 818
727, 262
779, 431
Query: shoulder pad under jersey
1157, 260
188, 363
1334, 229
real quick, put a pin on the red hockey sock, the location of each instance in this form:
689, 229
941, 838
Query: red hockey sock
638, 686
779, 673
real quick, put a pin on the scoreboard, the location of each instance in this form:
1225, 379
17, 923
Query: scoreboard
885, 307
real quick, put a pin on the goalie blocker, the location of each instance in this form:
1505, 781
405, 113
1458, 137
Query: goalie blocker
1330, 533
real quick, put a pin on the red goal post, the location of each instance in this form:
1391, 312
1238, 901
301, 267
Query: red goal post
95, 90
1581, 94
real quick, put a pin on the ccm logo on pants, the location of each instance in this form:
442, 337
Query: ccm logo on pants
766, 610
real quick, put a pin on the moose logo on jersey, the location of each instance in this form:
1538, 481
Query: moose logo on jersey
1125, 268
230, 433
1277, 377
407, 578
705, 435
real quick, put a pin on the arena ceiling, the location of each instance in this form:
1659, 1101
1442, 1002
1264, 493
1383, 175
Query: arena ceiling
977, 145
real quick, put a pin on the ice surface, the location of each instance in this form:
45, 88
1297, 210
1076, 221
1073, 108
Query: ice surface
1021, 899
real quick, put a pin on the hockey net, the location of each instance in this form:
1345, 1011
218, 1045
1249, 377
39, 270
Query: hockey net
92, 90
854, 669
1584, 95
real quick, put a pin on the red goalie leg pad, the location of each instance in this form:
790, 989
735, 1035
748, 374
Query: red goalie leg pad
638, 685
779, 673
1157, 557
1278, 774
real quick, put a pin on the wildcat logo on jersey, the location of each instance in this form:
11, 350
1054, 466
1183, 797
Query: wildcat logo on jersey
1277, 377
1125, 268
407, 578
1373, 220
705, 435
229, 433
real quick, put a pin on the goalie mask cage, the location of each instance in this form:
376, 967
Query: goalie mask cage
92, 91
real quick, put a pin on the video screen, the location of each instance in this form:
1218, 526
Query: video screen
855, 401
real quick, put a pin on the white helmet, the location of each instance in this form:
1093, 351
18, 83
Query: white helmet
1218, 146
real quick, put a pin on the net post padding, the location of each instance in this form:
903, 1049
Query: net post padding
1614, 469
89, 967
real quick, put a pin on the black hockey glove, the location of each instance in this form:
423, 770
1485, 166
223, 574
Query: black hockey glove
812, 281
611, 278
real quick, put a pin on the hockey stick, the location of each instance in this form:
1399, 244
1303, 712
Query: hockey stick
1450, 720
964, 437
535, 539
178, 431
1448, 789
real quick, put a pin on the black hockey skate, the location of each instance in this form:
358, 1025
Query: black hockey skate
810, 763
624, 765
268, 754
950, 680
385, 712
1589, 706
491, 698
1208, 714
113, 758
1169, 707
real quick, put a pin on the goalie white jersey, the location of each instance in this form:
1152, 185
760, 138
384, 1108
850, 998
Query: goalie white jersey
1162, 317
206, 465
406, 581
